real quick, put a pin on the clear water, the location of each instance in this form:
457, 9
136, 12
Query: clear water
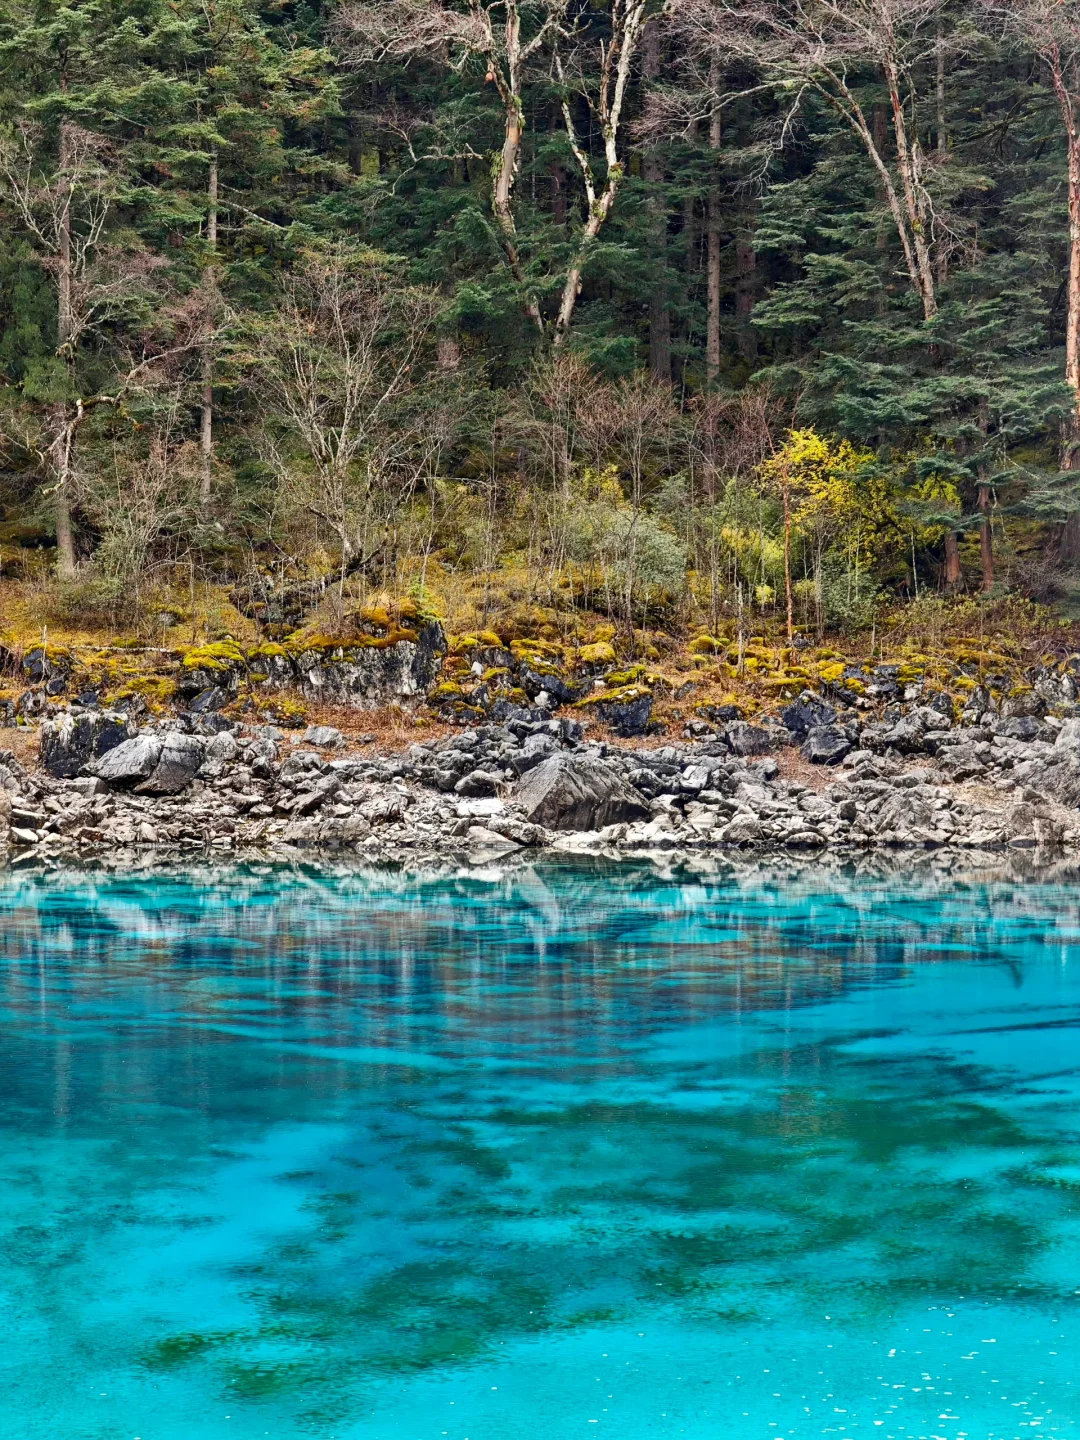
555, 1152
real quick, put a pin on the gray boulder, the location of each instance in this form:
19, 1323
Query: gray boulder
222, 747
68, 743
741, 829
178, 763
479, 837
577, 792
627, 717
12, 773
908, 735
1021, 727
534, 749
325, 737
825, 745
807, 713
1061, 781
746, 739
478, 783
965, 762
130, 762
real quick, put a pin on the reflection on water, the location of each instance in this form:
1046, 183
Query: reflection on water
713, 1150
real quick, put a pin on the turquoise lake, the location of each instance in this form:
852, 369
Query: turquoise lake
548, 1151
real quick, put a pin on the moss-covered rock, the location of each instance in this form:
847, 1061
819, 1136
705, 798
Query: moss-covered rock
598, 654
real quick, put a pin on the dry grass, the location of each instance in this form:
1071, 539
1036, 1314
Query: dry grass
386, 731
22, 743
28, 617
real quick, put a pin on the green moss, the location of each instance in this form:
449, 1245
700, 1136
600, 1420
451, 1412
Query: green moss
220, 655
173, 1350
334, 645
599, 653
620, 696
620, 678
784, 682
707, 645
157, 690
911, 674
535, 649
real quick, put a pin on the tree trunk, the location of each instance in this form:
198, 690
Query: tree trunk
505, 174
907, 155
1071, 438
653, 169
65, 544
558, 185
942, 254
356, 145
659, 337
1069, 543
206, 424
1070, 459
953, 574
986, 540
745, 288
713, 235
907, 212
595, 223
616, 65
787, 565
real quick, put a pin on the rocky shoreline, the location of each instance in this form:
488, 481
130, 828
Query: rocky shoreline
806, 779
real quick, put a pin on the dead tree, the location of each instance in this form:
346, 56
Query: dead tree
1050, 30
796, 47
600, 78
496, 34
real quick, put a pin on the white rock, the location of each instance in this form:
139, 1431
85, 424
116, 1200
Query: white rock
480, 808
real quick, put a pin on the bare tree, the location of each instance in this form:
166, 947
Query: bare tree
210, 286
1051, 30
144, 504
592, 62
338, 360
712, 318
605, 97
505, 35
100, 281
796, 47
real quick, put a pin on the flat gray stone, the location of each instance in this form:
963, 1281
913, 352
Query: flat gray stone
324, 737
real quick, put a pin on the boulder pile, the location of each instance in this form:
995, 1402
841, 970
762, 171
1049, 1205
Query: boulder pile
808, 778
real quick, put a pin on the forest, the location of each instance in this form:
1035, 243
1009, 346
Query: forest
755, 313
